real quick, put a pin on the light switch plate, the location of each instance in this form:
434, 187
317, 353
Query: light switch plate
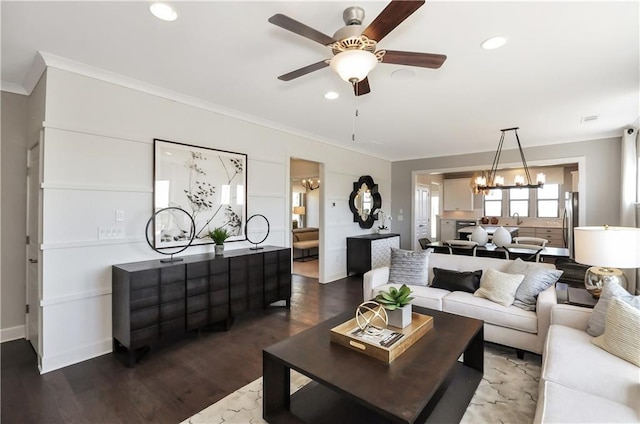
119, 215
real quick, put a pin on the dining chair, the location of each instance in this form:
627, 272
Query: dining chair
526, 252
461, 247
424, 243
531, 240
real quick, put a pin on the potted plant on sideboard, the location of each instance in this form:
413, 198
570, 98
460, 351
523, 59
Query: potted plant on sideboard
398, 304
219, 235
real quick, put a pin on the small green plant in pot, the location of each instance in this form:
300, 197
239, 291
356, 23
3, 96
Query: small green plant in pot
398, 304
219, 235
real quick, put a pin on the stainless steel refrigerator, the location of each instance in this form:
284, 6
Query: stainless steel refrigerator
570, 220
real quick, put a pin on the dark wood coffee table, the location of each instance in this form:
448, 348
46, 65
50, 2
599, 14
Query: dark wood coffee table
424, 384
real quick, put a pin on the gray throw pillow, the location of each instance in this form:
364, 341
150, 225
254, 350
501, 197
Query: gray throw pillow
409, 267
536, 279
597, 319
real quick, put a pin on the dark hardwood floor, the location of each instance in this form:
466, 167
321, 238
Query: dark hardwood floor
173, 382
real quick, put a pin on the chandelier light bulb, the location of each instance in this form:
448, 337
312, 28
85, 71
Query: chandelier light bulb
354, 65
518, 180
541, 178
499, 180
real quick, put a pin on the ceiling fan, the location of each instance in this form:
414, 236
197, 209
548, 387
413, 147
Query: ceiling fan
354, 48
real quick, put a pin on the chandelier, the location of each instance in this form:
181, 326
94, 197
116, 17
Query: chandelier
485, 181
311, 183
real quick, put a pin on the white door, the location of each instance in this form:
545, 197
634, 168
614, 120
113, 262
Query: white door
33, 251
422, 214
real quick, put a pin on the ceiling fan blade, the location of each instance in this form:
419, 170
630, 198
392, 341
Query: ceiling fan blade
303, 71
423, 60
301, 29
392, 16
362, 87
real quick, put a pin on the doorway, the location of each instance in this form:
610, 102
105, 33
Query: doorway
306, 189
33, 251
422, 214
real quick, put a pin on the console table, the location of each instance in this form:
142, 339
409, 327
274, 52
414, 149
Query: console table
157, 302
370, 251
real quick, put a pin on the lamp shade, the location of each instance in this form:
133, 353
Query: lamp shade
612, 247
354, 65
299, 210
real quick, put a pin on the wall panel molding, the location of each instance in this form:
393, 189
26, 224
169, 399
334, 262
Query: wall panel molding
93, 187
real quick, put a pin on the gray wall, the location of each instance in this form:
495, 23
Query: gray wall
602, 177
14, 206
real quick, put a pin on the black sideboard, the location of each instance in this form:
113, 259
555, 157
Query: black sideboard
157, 302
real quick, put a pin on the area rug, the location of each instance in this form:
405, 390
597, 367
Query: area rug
507, 393
307, 269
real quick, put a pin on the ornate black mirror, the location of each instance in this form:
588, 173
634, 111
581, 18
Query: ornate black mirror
365, 201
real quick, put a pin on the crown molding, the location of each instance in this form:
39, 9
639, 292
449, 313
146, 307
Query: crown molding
44, 60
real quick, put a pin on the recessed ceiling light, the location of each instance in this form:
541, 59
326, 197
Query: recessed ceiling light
331, 95
403, 74
494, 42
163, 11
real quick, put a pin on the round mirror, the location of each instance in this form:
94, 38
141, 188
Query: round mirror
365, 201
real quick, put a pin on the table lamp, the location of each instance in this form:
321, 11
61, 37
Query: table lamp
300, 211
606, 249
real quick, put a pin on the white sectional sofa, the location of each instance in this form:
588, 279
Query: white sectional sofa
505, 325
580, 382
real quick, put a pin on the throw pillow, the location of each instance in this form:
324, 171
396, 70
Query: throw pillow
409, 267
447, 279
596, 321
536, 279
499, 287
621, 330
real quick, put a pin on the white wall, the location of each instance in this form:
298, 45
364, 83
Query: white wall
98, 157
13, 221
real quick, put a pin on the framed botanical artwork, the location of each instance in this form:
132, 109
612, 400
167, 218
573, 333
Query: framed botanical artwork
209, 184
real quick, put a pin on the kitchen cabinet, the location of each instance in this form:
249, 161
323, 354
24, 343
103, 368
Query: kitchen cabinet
457, 195
554, 235
447, 229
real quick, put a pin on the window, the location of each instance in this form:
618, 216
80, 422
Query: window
519, 201
493, 203
548, 201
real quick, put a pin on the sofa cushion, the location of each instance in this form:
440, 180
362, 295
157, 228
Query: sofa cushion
427, 297
467, 281
466, 304
536, 279
595, 325
621, 332
499, 287
561, 404
409, 267
572, 360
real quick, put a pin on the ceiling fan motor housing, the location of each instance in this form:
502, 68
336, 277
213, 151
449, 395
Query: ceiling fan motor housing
353, 15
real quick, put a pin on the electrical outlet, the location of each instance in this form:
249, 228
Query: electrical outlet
110, 233
119, 215
400, 217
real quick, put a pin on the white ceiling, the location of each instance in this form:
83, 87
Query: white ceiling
563, 61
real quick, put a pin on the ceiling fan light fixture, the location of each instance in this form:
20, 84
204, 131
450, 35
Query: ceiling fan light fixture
494, 42
354, 65
163, 11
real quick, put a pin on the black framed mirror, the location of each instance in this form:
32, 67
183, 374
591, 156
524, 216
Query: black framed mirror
365, 201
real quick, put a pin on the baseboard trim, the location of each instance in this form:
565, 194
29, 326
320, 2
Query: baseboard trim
71, 357
12, 333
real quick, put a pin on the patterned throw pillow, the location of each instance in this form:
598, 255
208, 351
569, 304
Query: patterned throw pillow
620, 337
595, 324
536, 279
499, 287
409, 267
